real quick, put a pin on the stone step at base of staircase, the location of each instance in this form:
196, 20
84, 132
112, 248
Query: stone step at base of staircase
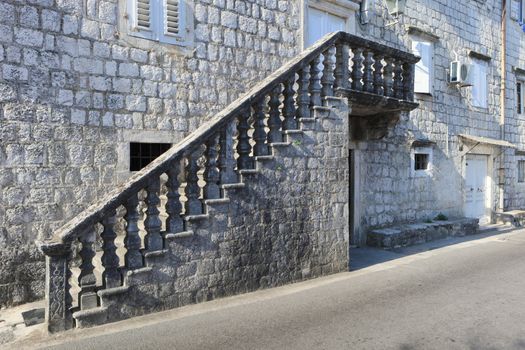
107, 296
411, 234
91, 317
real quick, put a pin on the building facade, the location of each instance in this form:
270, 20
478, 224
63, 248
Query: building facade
84, 81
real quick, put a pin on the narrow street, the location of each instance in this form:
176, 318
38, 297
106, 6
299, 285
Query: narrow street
468, 295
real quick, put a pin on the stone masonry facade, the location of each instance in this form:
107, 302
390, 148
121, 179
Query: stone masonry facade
390, 194
71, 93
75, 89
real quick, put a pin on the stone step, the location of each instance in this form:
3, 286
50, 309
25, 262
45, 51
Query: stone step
307, 124
516, 218
195, 222
333, 101
247, 173
280, 149
495, 228
155, 257
231, 188
321, 112
411, 234
294, 136
91, 317
264, 158
179, 235
109, 297
137, 276
216, 206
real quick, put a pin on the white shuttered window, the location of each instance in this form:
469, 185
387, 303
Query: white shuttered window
160, 20
479, 85
424, 68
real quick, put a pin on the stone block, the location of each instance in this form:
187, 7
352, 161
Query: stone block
128, 70
14, 73
50, 20
28, 16
70, 24
7, 13
29, 37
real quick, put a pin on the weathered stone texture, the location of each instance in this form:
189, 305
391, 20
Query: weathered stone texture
288, 223
68, 87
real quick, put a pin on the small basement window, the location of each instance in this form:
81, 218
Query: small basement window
421, 161
521, 170
141, 154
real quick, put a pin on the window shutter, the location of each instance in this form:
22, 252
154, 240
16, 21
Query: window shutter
423, 73
161, 20
143, 15
476, 86
172, 17
172, 21
479, 88
142, 18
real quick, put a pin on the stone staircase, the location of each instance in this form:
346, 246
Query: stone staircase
256, 197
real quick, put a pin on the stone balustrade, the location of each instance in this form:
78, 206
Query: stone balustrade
338, 64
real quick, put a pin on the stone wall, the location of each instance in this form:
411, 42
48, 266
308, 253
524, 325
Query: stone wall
515, 124
74, 87
389, 193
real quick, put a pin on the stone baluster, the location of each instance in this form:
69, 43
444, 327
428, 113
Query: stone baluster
378, 74
211, 172
398, 80
244, 147
226, 156
289, 123
357, 69
174, 222
303, 100
152, 223
327, 80
274, 121
87, 280
111, 276
58, 309
408, 81
341, 66
132, 241
193, 204
388, 81
367, 74
259, 133
315, 82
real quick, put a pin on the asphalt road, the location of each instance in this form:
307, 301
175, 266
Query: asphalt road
463, 296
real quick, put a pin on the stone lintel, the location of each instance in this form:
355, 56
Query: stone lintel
417, 31
519, 71
479, 55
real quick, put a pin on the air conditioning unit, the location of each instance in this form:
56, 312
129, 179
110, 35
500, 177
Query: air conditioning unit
460, 73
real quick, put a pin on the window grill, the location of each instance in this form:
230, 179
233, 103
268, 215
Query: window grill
141, 154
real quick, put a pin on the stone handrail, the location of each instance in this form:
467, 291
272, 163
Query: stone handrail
270, 108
